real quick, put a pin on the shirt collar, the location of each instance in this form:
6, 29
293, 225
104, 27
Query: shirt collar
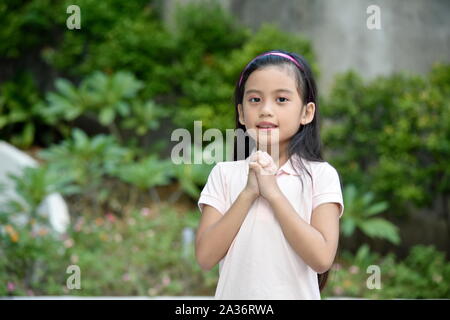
286, 168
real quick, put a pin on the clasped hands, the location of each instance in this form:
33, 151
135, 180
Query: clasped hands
262, 175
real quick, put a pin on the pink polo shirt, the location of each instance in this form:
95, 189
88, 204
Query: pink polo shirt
260, 263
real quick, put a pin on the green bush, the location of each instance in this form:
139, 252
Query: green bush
424, 274
76, 52
118, 255
88, 162
390, 135
141, 253
111, 101
100, 168
28, 25
360, 212
146, 174
19, 116
31, 262
139, 44
29, 249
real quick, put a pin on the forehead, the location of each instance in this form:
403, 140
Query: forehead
272, 78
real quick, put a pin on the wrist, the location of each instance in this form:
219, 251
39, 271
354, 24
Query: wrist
274, 196
248, 194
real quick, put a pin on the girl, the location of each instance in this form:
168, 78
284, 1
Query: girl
271, 221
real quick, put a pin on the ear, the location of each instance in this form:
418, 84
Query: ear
241, 114
308, 114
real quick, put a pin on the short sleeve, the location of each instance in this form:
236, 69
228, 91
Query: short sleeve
213, 192
327, 187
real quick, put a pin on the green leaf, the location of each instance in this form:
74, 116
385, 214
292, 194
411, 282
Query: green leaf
381, 228
80, 138
348, 227
66, 88
107, 116
123, 108
376, 208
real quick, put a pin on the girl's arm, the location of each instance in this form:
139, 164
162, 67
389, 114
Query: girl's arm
216, 231
315, 243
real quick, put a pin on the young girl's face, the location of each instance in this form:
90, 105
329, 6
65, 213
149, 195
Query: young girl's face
271, 95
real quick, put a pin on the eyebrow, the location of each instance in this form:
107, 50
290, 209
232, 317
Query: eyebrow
258, 91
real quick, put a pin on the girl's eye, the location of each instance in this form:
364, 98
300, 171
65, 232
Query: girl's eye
283, 99
254, 99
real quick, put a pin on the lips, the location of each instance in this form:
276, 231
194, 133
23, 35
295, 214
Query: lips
266, 125
266, 128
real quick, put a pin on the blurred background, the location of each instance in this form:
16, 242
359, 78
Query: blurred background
86, 117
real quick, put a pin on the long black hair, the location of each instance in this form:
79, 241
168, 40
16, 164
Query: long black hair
306, 143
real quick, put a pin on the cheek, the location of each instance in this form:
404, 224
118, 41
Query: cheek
250, 113
290, 120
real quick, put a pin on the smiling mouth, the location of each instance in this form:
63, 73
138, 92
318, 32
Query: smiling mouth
267, 128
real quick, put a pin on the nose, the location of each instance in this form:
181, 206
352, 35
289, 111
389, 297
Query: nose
266, 110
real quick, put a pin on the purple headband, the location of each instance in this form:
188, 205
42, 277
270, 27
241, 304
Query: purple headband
280, 54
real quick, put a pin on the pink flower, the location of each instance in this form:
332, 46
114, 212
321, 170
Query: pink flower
338, 291
68, 243
79, 224
111, 218
145, 212
11, 286
165, 280
126, 277
64, 236
354, 269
